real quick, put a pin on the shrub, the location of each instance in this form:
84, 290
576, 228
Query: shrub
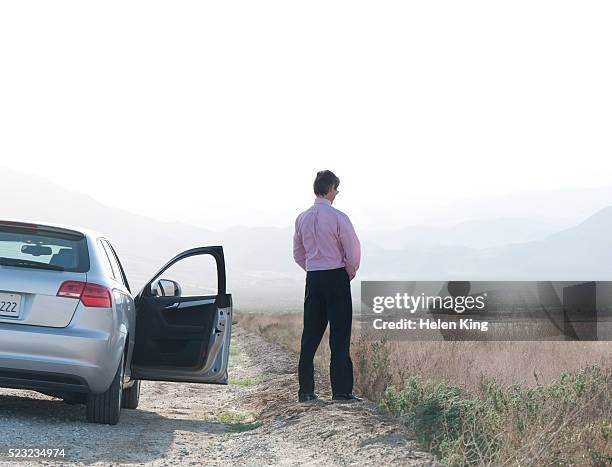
373, 369
567, 422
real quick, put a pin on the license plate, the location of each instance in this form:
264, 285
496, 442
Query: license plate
10, 305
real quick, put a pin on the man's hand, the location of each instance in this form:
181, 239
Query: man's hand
351, 272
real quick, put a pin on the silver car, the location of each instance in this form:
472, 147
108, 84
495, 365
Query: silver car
70, 326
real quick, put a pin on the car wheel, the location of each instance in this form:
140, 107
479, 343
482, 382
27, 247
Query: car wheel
105, 408
131, 396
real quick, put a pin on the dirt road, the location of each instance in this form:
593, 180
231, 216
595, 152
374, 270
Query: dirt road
253, 421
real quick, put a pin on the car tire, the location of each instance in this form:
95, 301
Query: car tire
105, 408
131, 396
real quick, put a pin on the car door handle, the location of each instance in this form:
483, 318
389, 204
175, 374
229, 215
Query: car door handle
193, 303
190, 304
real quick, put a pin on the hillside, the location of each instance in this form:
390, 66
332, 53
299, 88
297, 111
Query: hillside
261, 272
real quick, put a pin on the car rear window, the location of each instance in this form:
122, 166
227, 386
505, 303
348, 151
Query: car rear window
32, 248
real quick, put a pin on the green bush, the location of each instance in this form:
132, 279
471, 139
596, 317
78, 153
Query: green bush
567, 422
373, 367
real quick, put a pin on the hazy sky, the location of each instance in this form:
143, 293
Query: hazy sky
220, 113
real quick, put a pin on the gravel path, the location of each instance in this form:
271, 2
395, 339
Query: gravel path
253, 421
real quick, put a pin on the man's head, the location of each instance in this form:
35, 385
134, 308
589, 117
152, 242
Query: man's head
326, 185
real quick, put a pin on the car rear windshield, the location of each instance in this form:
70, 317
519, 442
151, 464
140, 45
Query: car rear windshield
39, 249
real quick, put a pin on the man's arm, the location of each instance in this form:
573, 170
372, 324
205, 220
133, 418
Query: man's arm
299, 252
350, 245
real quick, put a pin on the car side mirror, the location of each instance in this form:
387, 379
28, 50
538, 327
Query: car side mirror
165, 288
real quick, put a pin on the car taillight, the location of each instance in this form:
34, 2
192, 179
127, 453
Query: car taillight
96, 295
71, 289
92, 295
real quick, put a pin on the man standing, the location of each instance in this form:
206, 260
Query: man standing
326, 247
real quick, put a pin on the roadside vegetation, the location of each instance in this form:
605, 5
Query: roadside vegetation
482, 403
238, 421
250, 381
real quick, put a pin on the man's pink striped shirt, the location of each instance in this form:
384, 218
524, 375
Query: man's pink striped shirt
325, 239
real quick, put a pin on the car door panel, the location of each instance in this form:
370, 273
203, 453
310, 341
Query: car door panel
184, 338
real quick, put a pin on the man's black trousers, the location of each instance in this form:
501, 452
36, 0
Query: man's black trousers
327, 299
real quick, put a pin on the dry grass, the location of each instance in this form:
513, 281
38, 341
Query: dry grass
482, 403
526, 363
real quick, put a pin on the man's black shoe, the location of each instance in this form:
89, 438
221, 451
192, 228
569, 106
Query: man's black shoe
346, 397
307, 397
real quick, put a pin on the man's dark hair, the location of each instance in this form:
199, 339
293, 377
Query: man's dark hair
324, 182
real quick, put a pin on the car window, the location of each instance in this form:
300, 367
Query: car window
113, 261
196, 275
106, 262
115, 264
31, 248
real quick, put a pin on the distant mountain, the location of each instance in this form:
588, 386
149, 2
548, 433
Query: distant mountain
562, 208
261, 271
258, 259
483, 233
143, 242
583, 252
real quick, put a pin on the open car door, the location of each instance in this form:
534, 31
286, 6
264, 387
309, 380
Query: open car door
183, 338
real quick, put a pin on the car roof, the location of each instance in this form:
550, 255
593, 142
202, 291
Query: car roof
87, 232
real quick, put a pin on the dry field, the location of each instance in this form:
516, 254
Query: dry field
482, 403
524, 363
